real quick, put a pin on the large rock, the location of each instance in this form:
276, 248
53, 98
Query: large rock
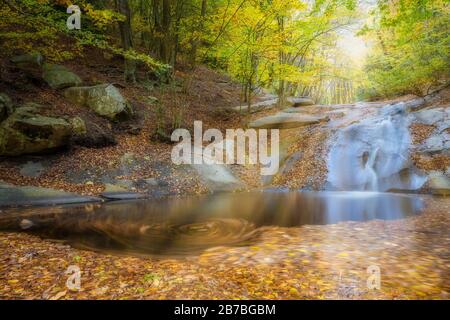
104, 99
373, 154
439, 141
300, 102
439, 183
259, 106
216, 177
27, 196
90, 134
439, 117
59, 77
27, 132
285, 121
6, 106
29, 62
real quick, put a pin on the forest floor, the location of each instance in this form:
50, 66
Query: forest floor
308, 262
200, 94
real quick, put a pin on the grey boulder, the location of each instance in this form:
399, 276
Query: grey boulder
286, 121
59, 77
105, 100
300, 102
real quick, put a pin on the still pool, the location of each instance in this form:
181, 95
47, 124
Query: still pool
190, 225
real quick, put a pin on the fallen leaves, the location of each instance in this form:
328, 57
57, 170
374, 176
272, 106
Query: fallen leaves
309, 262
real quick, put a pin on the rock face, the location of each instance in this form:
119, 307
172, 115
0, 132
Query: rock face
373, 154
104, 99
285, 121
439, 141
59, 77
300, 102
27, 132
439, 183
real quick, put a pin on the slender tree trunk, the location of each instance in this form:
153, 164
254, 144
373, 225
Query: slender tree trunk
196, 41
165, 51
157, 27
127, 39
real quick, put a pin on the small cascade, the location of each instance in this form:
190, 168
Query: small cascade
373, 154
373, 178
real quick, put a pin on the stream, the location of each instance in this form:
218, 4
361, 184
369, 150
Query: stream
367, 159
188, 226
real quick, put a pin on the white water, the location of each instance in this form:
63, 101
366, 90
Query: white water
373, 154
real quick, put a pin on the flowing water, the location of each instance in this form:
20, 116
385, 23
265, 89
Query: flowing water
186, 226
373, 154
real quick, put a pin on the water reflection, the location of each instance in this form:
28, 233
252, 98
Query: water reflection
185, 226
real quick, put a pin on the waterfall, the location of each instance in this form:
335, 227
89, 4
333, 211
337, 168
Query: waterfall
373, 177
373, 154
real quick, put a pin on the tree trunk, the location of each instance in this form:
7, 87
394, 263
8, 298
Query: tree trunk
165, 51
127, 39
196, 41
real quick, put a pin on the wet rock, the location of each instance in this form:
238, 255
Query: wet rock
439, 183
123, 196
59, 77
124, 189
286, 121
26, 132
373, 154
11, 195
105, 100
300, 102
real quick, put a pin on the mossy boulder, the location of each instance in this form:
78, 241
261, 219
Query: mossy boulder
105, 100
6, 106
30, 62
59, 77
27, 132
78, 126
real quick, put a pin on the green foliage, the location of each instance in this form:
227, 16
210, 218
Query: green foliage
40, 26
411, 53
278, 44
